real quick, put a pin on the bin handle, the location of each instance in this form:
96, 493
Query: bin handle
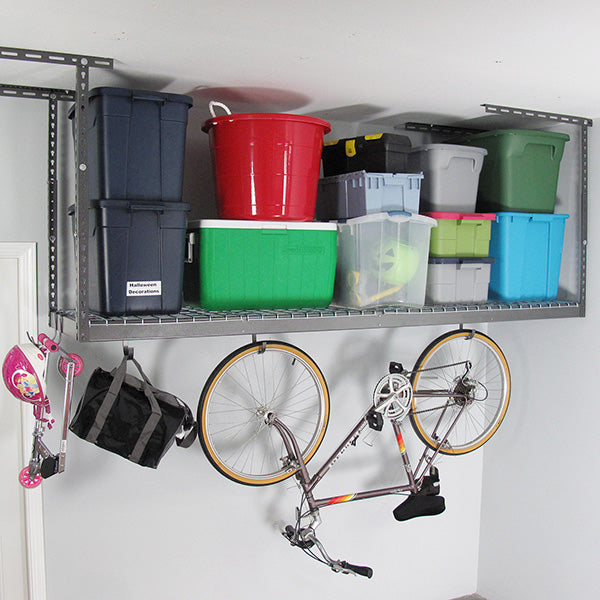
154, 207
142, 96
191, 241
213, 103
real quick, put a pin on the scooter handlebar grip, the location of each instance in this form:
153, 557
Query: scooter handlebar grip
50, 345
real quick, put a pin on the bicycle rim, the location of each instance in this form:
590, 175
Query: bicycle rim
439, 369
254, 380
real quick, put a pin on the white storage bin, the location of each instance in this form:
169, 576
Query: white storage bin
451, 176
452, 280
382, 259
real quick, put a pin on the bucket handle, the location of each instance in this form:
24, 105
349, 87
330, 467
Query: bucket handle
213, 103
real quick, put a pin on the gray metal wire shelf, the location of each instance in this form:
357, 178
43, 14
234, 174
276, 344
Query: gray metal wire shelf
191, 322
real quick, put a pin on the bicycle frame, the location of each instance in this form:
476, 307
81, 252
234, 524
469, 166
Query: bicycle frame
415, 477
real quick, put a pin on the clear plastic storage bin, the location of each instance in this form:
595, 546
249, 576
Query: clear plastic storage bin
382, 259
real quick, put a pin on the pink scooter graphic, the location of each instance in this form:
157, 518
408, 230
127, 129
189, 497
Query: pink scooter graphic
24, 373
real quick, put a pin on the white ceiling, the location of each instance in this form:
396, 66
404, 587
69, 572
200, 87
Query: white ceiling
364, 60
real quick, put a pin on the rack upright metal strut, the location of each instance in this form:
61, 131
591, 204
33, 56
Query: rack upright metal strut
191, 322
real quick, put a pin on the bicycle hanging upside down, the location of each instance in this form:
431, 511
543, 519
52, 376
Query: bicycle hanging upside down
264, 411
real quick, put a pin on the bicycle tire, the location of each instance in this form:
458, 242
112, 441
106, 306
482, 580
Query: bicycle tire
253, 380
486, 405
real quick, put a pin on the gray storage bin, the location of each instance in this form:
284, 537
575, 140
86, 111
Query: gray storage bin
361, 193
454, 280
451, 176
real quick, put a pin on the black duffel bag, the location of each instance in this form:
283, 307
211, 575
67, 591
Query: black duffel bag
130, 417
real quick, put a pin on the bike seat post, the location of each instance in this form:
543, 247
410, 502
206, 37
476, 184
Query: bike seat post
293, 450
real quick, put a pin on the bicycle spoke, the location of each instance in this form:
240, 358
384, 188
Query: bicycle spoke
483, 387
258, 380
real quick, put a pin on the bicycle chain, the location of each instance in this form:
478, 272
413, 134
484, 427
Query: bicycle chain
462, 362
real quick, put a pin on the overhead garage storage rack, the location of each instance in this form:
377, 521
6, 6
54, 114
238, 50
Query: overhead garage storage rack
190, 322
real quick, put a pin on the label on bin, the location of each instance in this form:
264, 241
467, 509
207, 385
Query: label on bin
144, 288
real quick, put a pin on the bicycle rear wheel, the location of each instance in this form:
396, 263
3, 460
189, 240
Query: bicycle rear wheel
482, 393
255, 380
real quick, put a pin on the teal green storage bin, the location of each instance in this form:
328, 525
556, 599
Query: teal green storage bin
260, 264
528, 252
520, 171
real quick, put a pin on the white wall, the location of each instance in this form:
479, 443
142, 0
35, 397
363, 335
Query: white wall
116, 530
540, 527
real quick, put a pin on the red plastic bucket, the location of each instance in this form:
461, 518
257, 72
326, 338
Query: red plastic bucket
266, 165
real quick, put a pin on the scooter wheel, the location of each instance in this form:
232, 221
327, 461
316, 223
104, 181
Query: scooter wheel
28, 483
62, 365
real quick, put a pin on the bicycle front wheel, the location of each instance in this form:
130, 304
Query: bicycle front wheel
464, 371
253, 381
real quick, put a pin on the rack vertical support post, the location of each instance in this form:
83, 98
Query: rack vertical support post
82, 201
82, 65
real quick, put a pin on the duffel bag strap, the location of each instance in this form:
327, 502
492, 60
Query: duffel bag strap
153, 419
185, 437
109, 399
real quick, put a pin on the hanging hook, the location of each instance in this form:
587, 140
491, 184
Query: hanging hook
127, 351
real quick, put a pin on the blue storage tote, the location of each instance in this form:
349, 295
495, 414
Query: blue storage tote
360, 193
136, 144
528, 251
136, 256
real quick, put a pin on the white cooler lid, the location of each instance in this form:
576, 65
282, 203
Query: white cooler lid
289, 225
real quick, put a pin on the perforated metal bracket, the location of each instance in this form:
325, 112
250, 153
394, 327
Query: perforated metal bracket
82, 64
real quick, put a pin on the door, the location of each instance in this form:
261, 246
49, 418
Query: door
22, 574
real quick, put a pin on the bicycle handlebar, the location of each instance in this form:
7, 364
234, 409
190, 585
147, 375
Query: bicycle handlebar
364, 571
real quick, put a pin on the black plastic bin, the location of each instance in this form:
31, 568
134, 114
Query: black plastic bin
136, 144
379, 153
136, 256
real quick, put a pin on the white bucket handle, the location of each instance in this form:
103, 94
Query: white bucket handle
212, 104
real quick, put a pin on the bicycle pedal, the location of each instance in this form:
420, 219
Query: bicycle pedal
375, 420
430, 486
417, 505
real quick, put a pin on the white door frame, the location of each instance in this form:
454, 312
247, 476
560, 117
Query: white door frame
25, 253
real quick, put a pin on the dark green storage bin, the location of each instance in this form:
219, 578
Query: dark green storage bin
377, 153
520, 171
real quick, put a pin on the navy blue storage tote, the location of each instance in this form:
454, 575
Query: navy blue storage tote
136, 256
136, 144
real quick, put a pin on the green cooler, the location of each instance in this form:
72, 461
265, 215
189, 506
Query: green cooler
259, 264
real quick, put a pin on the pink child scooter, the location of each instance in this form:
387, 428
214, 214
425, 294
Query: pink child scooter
24, 373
